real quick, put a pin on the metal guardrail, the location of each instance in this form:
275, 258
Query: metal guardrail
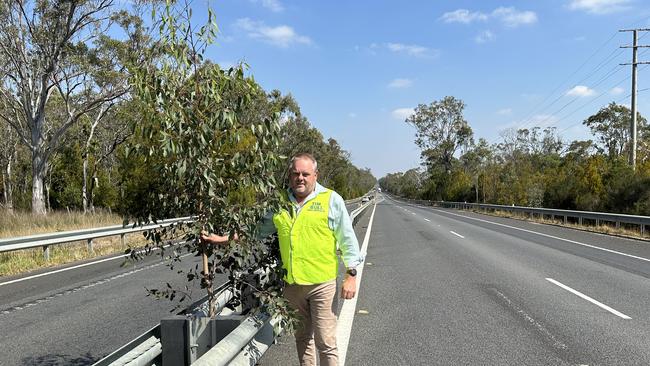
245, 345
580, 216
88, 235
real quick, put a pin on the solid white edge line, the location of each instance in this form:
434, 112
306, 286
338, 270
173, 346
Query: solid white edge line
67, 269
63, 270
597, 303
457, 234
548, 236
346, 317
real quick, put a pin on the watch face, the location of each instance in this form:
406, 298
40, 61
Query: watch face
352, 272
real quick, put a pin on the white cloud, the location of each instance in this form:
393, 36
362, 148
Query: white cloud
599, 6
402, 113
616, 91
484, 37
510, 17
411, 50
505, 111
281, 36
273, 5
400, 83
580, 91
463, 16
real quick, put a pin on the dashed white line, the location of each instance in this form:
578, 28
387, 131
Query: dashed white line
548, 236
413, 213
597, 303
427, 220
457, 234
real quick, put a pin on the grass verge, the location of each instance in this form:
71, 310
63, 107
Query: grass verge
23, 224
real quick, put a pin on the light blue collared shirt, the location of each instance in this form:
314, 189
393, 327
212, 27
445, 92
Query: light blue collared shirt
338, 221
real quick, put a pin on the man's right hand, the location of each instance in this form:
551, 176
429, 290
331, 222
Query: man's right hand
206, 237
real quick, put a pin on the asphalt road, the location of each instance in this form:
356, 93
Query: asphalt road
439, 287
74, 315
78, 316
445, 287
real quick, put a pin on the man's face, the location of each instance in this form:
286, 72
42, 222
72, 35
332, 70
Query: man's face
302, 178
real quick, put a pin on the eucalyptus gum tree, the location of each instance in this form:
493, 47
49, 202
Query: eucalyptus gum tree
58, 47
213, 153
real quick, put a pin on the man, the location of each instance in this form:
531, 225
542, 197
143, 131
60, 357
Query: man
309, 235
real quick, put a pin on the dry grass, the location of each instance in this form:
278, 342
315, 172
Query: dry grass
22, 224
631, 231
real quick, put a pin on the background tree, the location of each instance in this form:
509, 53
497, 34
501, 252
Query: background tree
611, 127
8, 156
440, 130
57, 47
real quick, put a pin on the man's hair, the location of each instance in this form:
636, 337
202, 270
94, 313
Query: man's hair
306, 156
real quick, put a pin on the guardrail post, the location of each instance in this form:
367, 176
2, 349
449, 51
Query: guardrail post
123, 240
90, 245
580, 220
597, 222
618, 224
46, 253
642, 229
565, 219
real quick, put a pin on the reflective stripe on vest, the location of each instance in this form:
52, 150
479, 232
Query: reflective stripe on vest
307, 244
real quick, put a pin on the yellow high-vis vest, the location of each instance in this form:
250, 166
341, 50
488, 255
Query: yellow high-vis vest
307, 244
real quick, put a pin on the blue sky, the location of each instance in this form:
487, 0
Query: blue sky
358, 67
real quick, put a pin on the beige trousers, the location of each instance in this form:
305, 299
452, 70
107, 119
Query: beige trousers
318, 323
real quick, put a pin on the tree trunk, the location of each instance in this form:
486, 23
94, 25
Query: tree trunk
84, 186
39, 168
94, 183
8, 187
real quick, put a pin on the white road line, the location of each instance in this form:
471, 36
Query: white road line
427, 220
346, 317
63, 270
67, 269
599, 304
549, 236
413, 213
457, 234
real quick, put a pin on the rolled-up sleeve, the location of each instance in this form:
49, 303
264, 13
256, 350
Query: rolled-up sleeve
341, 225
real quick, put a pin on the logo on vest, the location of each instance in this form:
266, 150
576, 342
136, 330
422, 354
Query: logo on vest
316, 207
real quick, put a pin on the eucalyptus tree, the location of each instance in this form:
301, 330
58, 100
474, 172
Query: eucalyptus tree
8, 156
611, 127
60, 47
440, 130
214, 162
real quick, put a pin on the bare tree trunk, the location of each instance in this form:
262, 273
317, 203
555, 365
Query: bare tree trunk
84, 186
39, 169
94, 183
8, 187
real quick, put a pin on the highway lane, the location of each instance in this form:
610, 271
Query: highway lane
442, 288
78, 316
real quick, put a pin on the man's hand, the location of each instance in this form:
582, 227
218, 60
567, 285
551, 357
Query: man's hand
205, 237
349, 288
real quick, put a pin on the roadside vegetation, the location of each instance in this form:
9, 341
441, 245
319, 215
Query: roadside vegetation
532, 167
25, 224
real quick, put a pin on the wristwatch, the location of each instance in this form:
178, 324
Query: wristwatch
352, 271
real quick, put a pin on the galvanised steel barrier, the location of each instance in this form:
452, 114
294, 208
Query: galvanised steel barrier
244, 345
88, 235
554, 214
